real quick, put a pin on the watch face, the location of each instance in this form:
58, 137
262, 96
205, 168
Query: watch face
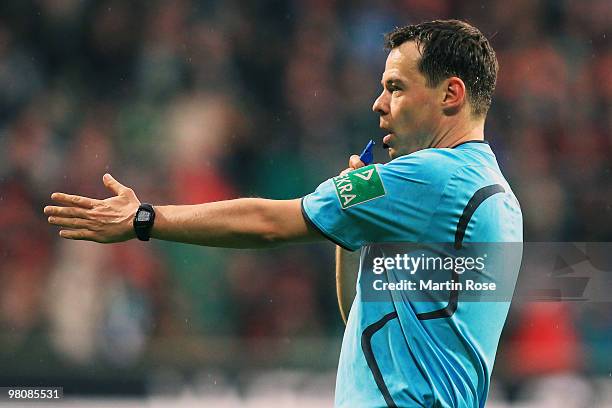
143, 216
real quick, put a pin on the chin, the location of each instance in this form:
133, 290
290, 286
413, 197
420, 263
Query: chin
395, 153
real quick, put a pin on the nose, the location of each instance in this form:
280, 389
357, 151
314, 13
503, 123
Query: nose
381, 104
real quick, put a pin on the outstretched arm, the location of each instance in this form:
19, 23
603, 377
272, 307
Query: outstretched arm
241, 223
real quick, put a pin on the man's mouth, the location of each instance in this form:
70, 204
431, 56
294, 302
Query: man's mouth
387, 139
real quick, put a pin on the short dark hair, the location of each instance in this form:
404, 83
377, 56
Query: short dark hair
453, 48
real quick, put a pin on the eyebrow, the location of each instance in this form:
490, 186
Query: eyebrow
392, 81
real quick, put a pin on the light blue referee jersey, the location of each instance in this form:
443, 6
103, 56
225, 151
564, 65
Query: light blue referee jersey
400, 353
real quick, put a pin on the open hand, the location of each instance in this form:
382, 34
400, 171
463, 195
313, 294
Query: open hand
105, 221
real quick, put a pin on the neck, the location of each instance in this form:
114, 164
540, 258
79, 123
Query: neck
458, 134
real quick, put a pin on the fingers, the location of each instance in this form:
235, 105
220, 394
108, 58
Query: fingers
66, 212
74, 200
78, 235
75, 223
113, 185
355, 162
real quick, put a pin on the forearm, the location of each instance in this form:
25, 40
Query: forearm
241, 223
347, 267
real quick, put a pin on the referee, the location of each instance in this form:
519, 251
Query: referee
443, 184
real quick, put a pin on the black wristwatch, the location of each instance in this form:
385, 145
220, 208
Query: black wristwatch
143, 221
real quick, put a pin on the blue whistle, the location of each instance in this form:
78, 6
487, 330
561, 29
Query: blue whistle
366, 156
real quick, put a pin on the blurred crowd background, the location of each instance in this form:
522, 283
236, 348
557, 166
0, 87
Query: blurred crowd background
194, 101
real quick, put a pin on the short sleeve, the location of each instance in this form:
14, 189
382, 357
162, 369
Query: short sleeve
322, 210
393, 202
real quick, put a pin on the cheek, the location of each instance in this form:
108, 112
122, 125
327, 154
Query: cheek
412, 110
401, 110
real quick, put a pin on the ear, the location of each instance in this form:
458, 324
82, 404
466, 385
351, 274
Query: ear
454, 95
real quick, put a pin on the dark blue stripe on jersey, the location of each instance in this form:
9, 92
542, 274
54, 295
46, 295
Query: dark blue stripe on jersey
366, 346
471, 207
478, 198
472, 141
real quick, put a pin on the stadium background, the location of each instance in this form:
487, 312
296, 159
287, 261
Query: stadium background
194, 101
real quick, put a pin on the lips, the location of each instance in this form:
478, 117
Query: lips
388, 138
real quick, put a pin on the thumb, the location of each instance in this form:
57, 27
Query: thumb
112, 184
355, 162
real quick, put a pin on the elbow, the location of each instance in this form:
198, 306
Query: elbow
272, 230
277, 222
271, 235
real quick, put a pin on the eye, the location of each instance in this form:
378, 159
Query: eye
393, 87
